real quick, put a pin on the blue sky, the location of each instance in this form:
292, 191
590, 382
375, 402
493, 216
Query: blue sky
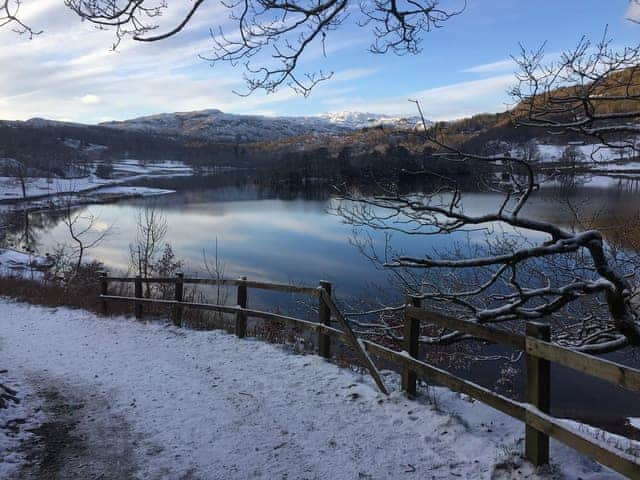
69, 72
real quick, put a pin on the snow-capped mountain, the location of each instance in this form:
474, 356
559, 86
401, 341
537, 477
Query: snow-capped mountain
218, 126
357, 120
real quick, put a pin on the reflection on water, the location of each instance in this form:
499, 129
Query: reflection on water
295, 239
292, 240
268, 235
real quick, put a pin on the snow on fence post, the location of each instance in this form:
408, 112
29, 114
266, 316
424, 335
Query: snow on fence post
138, 294
241, 317
539, 395
411, 346
324, 317
104, 286
179, 293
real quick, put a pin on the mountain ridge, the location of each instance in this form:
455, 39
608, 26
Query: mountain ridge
215, 125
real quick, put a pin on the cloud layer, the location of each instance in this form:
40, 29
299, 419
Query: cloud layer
71, 73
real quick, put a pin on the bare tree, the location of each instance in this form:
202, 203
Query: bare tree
19, 171
535, 269
270, 37
152, 228
216, 268
529, 151
85, 229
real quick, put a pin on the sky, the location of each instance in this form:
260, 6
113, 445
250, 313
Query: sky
70, 72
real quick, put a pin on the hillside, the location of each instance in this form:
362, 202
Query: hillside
212, 137
216, 126
52, 146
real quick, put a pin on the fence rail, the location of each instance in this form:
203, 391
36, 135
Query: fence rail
279, 287
534, 413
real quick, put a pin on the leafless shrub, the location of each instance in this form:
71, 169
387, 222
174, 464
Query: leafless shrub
151, 230
85, 229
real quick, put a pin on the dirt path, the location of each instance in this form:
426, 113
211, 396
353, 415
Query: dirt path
76, 440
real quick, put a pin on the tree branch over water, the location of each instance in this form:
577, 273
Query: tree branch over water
528, 268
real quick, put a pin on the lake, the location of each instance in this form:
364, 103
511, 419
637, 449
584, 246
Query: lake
293, 237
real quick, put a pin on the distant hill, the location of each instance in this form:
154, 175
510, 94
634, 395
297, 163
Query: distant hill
217, 126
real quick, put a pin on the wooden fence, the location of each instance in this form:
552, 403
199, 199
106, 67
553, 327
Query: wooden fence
540, 353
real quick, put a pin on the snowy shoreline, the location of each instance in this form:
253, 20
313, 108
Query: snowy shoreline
53, 193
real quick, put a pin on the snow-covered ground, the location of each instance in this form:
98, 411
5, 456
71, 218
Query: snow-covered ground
132, 166
591, 152
187, 404
588, 153
27, 265
44, 192
10, 187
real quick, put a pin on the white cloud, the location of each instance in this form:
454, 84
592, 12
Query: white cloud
493, 67
70, 72
90, 99
633, 11
447, 102
48, 72
354, 74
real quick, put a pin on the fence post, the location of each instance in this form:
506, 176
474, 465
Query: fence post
104, 286
411, 346
324, 318
539, 395
241, 317
177, 312
138, 294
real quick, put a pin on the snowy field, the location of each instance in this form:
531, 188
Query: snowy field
126, 171
149, 401
10, 187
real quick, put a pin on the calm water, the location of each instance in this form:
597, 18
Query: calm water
293, 238
264, 238
288, 239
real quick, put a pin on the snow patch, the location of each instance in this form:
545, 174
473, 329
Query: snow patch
634, 422
21, 264
598, 153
